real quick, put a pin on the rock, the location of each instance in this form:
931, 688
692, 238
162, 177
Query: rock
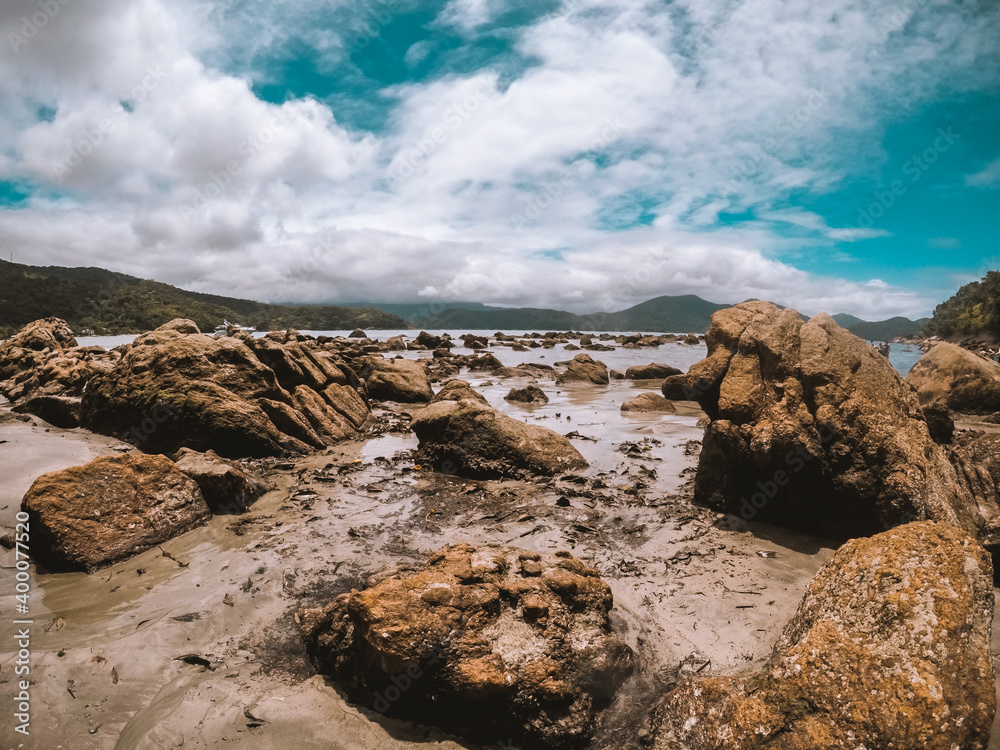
60, 411
486, 362
489, 642
43, 359
225, 485
531, 394
395, 344
174, 390
678, 388
583, 367
889, 648
456, 390
959, 379
180, 325
474, 440
403, 380
650, 372
429, 341
939, 423
649, 402
86, 517
811, 428
357, 333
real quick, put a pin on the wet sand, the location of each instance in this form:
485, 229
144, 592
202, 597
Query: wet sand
691, 586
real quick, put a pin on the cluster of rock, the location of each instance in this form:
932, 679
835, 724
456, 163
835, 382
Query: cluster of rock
43, 371
491, 642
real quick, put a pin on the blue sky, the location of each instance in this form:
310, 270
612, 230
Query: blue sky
586, 155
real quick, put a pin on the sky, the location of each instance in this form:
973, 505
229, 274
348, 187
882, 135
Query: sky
585, 155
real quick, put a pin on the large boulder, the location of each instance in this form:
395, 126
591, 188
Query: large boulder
61, 411
172, 390
812, 428
457, 390
650, 372
86, 517
474, 440
530, 394
951, 376
649, 403
226, 486
487, 642
43, 360
403, 380
889, 648
584, 368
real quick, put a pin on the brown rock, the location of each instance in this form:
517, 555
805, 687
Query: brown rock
531, 394
403, 380
648, 402
472, 644
951, 376
813, 429
471, 439
650, 372
456, 390
890, 648
172, 390
226, 486
60, 411
86, 517
583, 367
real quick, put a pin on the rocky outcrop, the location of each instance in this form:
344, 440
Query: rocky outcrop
474, 440
60, 411
648, 403
87, 517
951, 376
650, 372
489, 642
812, 428
584, 368
172, 390
889, 648
530, 394
42, 361
226, 486
403, 380
456, 390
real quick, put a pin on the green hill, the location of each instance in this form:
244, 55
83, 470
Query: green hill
107, 302
973, 312
661, 314
883, 330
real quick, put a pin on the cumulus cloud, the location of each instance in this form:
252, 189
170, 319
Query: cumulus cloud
593, 179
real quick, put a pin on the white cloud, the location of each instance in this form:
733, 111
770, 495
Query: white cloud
701, 108
988, 177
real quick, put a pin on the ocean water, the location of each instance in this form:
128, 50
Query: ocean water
682, 356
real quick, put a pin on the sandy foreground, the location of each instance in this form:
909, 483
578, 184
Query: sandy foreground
194, 644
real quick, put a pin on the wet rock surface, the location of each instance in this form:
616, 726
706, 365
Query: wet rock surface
530, 394
954, 377
226, 486
584, 368
472, 439
174, 389
402, 380
651, 372
890, 648
812, 428
492, 642
648, 403
114, 507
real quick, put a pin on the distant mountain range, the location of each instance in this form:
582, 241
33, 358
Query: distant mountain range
681, 314
107, 302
